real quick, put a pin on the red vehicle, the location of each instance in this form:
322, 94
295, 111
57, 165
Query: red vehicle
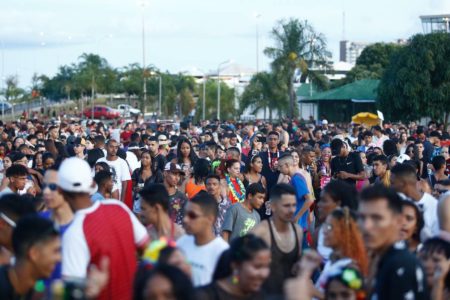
101, 112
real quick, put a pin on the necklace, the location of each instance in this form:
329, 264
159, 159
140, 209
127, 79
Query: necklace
238, 196
270, 158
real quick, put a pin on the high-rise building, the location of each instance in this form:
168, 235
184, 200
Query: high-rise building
350, 51
435, 23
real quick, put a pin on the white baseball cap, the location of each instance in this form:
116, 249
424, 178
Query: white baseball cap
74, 175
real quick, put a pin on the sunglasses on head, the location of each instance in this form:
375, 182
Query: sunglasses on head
52, 186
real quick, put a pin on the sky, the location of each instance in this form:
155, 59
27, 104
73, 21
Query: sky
38, 36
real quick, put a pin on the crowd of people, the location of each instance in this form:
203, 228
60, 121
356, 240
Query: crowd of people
224, 210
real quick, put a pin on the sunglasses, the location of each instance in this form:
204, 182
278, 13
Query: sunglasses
79, 145
192, 215
7, 220
52, 186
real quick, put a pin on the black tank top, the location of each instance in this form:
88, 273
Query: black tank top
281, 265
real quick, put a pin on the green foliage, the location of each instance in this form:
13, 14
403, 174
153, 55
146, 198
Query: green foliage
297, 46
416, 83
227, 109
266, 90
12, 90
371, 63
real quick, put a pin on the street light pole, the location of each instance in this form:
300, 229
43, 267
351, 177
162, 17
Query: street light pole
92, 96
310, 70
204, 96
144, 79
218, 86
159, 98
257, 41
2, 79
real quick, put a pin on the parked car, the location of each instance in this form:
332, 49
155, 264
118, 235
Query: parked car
127, 110
102, 112
5, 107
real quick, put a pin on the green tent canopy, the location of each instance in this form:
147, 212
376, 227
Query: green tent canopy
362, 90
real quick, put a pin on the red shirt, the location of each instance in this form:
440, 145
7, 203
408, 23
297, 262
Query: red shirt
107, 228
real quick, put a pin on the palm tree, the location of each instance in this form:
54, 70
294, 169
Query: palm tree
297, 47
265, 90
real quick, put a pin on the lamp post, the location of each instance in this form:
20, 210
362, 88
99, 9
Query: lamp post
257, 16
204, 96
159, 97
153, 73
312, 64
143, 3
218, 86
204, 93
2, 78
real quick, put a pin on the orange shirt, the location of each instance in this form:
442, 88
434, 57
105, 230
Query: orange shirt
192, 189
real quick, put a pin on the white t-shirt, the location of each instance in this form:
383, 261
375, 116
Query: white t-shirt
203, 259
323, 250
133, 161
120, 170
429, 205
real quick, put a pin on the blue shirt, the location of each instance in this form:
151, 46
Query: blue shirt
97, 196
301, 190
57, 271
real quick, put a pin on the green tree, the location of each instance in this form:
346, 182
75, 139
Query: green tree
265, 90
297, 46
371, 63
91, 73
12, 90
185, 87
227, 107
416, 82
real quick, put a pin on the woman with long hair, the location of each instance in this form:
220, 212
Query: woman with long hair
402, 143
323, 165
412, 225
334, 195
196, 183
232, 185
186, 156
253, 169
38, 164
146, 174
240, 272
342, 235
7, 162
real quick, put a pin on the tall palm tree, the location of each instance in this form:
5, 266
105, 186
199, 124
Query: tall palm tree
297, 47
265, 90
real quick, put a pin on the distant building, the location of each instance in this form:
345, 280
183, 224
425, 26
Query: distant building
350, 51
435, 23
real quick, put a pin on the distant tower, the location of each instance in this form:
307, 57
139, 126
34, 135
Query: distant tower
343, 44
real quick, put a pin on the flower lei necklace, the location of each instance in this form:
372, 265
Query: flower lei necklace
238, 196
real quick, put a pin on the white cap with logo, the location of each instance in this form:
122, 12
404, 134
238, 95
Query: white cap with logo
74, 175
